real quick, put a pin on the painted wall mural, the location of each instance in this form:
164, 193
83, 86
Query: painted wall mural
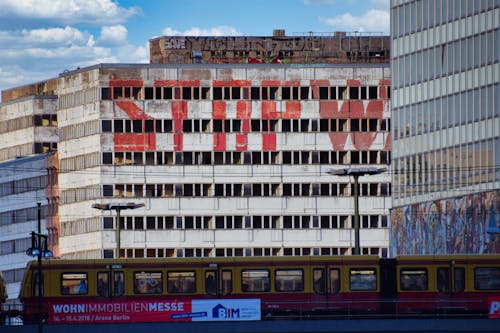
467, 224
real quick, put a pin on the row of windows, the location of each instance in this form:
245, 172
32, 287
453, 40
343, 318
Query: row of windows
236, 252
453, 167
447, 111
246, 125
446, 59
247, 158
15, 246
277, 280
244, 190
22, 215
42, 120
424, 14
247, 93
14, 151
23, 185
417, 279
184, 282
244, 222
13, 275
15, 124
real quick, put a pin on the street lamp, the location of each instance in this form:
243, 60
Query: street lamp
118, 207
39, 249
356, 172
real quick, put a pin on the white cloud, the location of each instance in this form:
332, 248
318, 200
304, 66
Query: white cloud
374, 20
113, 35
195, 31
39, 39
67, 35
93, 12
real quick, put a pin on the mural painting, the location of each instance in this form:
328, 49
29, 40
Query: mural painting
467, 224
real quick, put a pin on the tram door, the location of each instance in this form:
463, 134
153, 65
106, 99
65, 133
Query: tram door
218, 282
450, 285
111, 283
326, 287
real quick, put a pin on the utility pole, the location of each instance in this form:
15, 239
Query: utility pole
39, 249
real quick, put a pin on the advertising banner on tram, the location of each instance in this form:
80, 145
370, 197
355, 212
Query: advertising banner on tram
494, 306
85, 312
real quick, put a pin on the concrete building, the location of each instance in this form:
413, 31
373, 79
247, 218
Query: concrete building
446, 127
227, 159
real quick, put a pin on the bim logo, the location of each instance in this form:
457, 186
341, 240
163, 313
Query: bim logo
220, 311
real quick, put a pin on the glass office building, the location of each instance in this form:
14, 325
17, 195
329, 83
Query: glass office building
446, 126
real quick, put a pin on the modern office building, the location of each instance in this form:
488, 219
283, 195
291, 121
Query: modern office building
221, 159
446, 127
24, 182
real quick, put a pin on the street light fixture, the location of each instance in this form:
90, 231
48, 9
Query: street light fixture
118, 207
40, 250
356, 172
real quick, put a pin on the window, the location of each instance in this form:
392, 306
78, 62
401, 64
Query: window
148, 283
487, 278
319, 280
103, 284
413, 279
362, 279
289, 280
74, 284
459, 279
443, 279
119, 283
255, 280
227, 282
181, 282
211, 282
334, 281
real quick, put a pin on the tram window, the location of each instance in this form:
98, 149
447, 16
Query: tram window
319, 280
487, 278
103, 284
362, 279
181, 282
443, 279
334, 281
74, 284
210, 283
255, 280
227, 282
148, 283
459, 279
413, 279
119, 284
289, 280
34, 284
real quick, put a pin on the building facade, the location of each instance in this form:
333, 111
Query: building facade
446, 127
226, 159
23, 184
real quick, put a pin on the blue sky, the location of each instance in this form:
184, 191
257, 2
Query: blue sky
41, 38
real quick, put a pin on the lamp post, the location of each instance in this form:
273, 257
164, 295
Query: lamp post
39, 249
118, 207
355, 173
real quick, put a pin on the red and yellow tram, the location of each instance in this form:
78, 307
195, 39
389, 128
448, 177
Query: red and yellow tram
184, 289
